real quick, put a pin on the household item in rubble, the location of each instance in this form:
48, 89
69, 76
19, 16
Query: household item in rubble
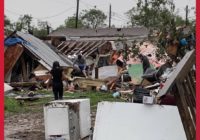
103, 88
150, 75
116, 94
67, 119
125, 77
153, 75
138, 94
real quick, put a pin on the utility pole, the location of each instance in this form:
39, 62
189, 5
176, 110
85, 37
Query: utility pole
145, 13
186, 15
48, 29
110, 16
77, 8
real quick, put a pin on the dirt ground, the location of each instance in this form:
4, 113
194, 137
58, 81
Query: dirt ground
29, 126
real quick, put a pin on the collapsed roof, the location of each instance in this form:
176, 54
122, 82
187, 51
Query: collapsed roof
84, 47
22, 52
41, 50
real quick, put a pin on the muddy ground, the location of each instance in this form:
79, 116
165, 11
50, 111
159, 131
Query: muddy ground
26, 122
28, 126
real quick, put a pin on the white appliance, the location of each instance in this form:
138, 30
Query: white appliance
67, 119
132, 121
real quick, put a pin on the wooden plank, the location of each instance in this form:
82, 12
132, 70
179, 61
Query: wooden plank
97, 43
192, 81
181, 70
23, 84
192, 91
77, 47
24, 72
84, 45
96, 47
65, 47
190, 126
85, 83
88, 47
60, 45
189, 102
69, 48
11, 56
181, 111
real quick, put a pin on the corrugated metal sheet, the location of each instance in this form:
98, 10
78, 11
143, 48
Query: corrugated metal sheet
103, 32
42, 51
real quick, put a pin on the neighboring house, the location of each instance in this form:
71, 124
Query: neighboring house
25, 54
109, 34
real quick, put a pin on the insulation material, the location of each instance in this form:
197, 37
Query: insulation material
132, 121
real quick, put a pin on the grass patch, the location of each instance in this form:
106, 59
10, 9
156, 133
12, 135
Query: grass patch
11, 105
14, 106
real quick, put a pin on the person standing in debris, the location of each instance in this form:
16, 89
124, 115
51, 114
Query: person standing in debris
80, 64
57, 75
120, 62
145, 62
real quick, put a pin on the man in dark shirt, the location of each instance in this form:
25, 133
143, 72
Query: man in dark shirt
145, 62
80, 64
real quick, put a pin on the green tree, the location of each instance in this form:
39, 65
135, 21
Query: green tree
153, 14
93, 18
179, 21
8, 25
24, 23
71, 21
42, 29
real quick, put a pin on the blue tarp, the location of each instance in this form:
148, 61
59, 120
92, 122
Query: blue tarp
183, 42
13, 41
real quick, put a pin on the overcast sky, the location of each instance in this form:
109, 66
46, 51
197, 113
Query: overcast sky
56, 11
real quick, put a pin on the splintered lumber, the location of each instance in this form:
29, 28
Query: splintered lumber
27, 98
23, 84
87, 82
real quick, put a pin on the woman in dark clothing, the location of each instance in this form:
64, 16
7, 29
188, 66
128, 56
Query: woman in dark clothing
57, 77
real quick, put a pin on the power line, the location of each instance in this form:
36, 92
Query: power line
58, 14
119, 15
42, 18
87, 4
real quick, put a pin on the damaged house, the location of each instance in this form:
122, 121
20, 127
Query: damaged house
93, 42
25, 54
